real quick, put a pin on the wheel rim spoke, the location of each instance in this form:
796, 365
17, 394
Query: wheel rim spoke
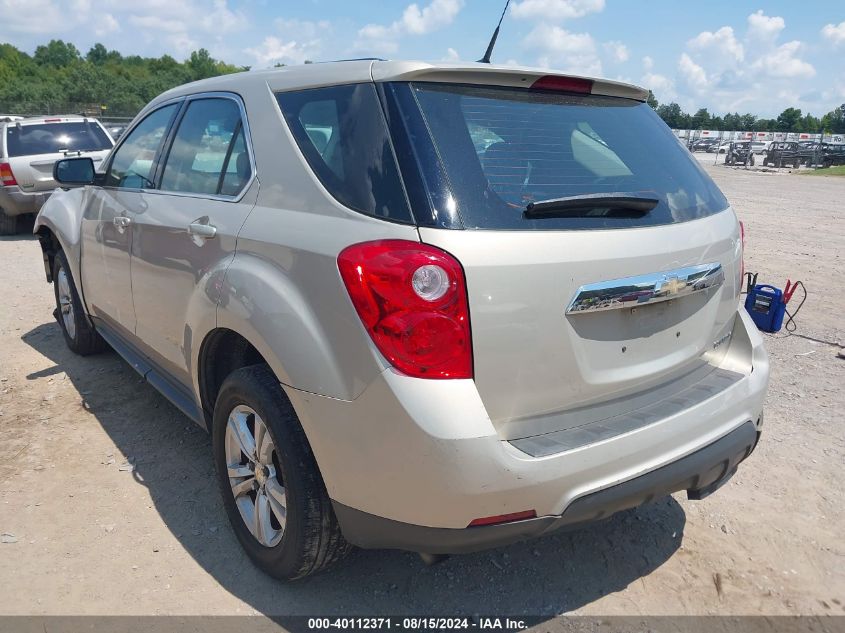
243, 488
238, 471
263, 530
262, 442
238, 424
278, 501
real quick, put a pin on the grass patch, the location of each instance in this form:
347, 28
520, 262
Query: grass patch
839, 170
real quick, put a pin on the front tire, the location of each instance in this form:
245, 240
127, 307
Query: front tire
79, 334
272, 489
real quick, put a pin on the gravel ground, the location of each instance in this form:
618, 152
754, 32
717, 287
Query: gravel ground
108, 506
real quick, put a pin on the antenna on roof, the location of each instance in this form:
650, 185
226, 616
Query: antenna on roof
486, 58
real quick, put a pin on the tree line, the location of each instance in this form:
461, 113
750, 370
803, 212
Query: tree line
790, 120
57, 78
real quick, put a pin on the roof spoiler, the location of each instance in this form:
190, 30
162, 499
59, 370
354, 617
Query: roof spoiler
486, 74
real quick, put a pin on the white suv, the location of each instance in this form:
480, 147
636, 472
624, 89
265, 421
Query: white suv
28, 149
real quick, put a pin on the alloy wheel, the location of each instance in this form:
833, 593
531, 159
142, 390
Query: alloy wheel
255, 475
66, 303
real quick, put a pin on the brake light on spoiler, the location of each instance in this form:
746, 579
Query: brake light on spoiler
559, 83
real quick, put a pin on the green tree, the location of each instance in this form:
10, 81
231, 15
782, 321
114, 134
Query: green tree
673, 115
747, 122
652, 100
56, 54
834, 121
701, 119
788, 120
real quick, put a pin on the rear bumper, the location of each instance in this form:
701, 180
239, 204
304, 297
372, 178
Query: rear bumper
700, 474
14, 201
410, 463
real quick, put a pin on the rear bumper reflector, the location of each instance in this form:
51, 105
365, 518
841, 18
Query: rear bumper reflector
504, 518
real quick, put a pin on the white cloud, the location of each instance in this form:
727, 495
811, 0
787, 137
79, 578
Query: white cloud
35, 17
222, 19
568, 52
648, 63
555, 9
295, 42
692, 73
783, 62
764, 27
106, 24
451, 55
722, 44
617, 50
156, 23
662, 87
273, 50
414, 21
833, 32
438, 13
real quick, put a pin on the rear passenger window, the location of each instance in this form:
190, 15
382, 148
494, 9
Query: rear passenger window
208, 155
342, 134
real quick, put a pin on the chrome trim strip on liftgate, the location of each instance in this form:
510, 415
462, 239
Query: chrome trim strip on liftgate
631, 292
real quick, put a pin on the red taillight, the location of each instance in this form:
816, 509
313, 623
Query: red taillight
6, 176
412, 300
504, 518
742, 254
563, 84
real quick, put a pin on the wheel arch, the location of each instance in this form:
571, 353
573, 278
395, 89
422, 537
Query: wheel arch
58, 225
222, 352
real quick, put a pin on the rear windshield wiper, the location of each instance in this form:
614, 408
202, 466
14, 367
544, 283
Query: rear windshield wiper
617, 205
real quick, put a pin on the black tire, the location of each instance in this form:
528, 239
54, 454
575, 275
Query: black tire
797, 163
751, 160
81, 338
8, 223
728, 160
311, 540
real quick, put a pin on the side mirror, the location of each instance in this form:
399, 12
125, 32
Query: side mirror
74, 171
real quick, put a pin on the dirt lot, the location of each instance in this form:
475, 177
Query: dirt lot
93, 535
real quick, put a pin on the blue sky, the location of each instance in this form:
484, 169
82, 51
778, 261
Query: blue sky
724, 55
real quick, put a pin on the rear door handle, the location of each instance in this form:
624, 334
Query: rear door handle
205, 231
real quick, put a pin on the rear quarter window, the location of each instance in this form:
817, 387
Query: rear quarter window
342, 133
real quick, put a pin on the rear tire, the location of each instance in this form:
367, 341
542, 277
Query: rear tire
751, 160
283, 516
8, 223
79, 334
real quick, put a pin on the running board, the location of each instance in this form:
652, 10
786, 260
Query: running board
160, 380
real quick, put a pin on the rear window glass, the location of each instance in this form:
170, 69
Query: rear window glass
504, 148
50, 138
342, 134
